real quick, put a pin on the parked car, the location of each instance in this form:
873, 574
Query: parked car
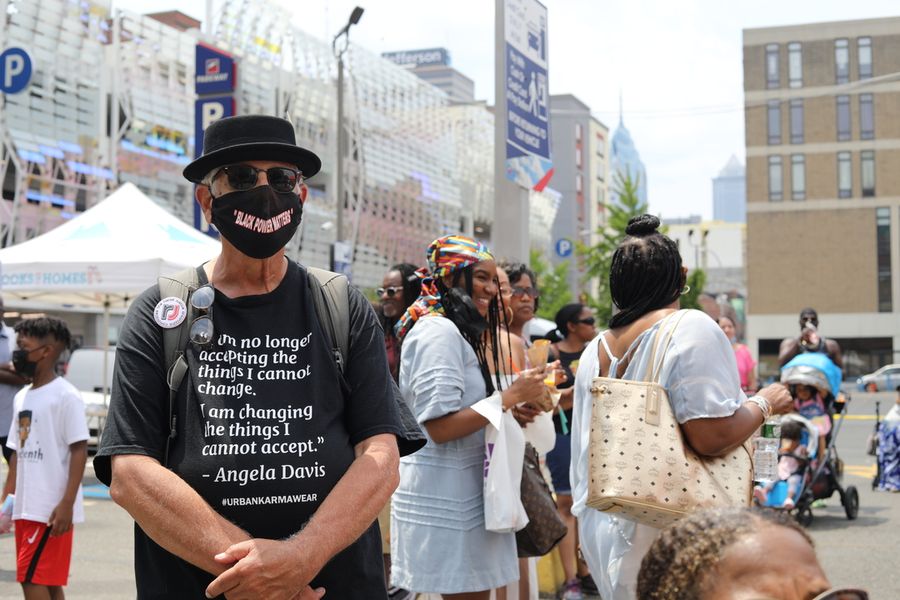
85, 371
887, 378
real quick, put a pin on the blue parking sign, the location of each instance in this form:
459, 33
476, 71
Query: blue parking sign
564, 247
15, 70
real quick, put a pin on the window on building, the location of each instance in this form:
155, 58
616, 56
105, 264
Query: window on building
864, 53
841, 61
578, 132
795, 65
773, 78
775, 179
866, 116
867, 172
578, 156
798, 177
774, 117
843, 118
845, 175
883, 246
797, 121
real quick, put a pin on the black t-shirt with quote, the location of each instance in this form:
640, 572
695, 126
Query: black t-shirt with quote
265, 430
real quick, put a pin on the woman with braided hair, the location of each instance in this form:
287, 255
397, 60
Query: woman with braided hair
698, 370
439, 542
733, 554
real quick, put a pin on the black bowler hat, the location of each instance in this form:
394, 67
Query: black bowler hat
251, 137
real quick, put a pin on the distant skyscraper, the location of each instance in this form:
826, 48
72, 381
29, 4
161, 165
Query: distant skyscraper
626, 160
730, 193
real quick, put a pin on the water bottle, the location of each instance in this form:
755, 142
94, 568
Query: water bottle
765, 458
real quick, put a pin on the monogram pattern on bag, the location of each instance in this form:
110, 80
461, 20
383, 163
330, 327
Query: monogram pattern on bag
648, 473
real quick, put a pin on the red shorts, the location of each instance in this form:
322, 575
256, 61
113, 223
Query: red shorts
42, 559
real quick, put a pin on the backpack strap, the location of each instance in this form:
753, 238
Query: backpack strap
180, 285
330, 292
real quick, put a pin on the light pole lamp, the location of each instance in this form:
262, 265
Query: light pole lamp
339, 45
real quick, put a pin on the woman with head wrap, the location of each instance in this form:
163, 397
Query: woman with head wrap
439, 542
698, 371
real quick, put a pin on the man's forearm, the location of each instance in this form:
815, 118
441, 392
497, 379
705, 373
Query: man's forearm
354, 503
171, 512
10, 377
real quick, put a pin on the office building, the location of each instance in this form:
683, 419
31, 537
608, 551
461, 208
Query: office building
625, 161
823, 189
730, 193
579, 146
433, 66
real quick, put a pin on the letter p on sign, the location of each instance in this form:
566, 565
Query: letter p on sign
212, 112
15, 70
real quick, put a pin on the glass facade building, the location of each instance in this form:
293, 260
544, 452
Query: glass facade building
112, 99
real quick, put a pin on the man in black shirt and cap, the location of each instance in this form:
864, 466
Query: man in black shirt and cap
279, 465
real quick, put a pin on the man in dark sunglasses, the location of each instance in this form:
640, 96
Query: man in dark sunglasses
263, 475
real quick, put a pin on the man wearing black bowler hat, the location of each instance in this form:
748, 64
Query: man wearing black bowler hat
273, 480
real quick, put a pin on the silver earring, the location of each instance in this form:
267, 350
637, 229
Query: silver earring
686, 289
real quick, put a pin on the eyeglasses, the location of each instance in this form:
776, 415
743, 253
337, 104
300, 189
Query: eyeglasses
390, 291
245, 177
843, 594
587, 321
201, 332
520, 291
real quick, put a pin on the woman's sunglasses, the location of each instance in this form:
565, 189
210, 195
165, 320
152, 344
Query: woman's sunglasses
245, 177
587, 321
201, 332
390, 291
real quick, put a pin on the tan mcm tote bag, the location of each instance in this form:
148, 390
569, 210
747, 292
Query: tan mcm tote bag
640, 465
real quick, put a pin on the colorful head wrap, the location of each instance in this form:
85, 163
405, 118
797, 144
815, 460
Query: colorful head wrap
445, 255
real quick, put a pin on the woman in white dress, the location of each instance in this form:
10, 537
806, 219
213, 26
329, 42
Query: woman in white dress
699, 372
439, 542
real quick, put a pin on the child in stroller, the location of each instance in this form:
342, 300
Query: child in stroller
797, 436
809, 402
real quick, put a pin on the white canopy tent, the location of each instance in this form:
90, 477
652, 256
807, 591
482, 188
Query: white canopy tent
104, 257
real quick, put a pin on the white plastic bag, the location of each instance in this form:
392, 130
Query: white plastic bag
541, 434
504, 451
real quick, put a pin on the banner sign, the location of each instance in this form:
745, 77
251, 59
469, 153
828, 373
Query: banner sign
215, 71
527, 94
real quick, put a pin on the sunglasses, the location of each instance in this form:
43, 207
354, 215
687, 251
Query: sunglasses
521, 291
843, 594
839, 594
390, 291
201, 332
245, 177
587, 321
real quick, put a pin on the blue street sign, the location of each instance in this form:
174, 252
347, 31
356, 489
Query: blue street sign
564, 247
15, 70
215, 71
206, 112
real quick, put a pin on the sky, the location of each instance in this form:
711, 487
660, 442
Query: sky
676, 63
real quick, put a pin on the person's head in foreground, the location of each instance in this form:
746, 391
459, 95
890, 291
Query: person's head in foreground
736, 554
40, 342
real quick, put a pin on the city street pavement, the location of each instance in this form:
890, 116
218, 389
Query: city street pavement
860, 553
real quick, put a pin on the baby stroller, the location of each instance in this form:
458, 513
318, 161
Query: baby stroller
826, 470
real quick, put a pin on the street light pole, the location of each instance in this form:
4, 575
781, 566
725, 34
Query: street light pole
339, 46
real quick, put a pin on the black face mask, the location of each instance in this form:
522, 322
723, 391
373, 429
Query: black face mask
21, 363
258, 222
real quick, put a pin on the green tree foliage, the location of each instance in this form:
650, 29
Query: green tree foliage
695, 280
554, 282
598, 258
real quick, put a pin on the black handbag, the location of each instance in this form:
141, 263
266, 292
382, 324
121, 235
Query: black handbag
545, 527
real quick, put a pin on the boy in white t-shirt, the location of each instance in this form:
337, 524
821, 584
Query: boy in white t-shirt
49, 436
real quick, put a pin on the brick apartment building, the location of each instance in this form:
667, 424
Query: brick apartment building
822, 123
